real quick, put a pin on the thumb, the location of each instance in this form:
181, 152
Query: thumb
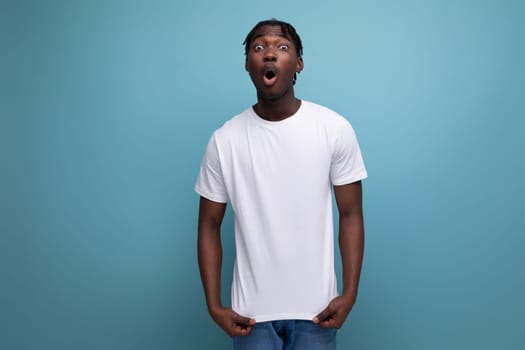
323, 315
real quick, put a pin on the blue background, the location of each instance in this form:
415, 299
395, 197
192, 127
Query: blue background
106, 108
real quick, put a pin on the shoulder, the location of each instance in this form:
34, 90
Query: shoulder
233, 127
325, 115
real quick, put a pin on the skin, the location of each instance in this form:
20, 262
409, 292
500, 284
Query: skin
270, 47
276, 101
209, 244
351, 244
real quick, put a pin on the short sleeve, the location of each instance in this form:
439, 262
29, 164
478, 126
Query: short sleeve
347, 163
210, 182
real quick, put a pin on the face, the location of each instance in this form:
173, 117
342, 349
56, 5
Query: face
272, 62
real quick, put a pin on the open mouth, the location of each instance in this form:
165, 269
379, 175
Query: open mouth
269, 76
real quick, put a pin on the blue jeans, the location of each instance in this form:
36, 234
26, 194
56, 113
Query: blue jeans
287, 335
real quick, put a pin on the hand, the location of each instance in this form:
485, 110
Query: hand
335, 313
231, 322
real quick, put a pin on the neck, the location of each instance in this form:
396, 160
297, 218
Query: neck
276, 109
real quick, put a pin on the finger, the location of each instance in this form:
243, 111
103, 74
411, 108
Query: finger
330, 323
323, 315
244, 321
239, 330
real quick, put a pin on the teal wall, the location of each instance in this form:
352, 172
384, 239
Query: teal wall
106, 108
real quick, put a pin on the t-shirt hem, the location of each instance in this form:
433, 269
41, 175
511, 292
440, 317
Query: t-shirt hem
287, 316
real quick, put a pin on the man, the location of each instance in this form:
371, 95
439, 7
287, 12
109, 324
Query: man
276, 164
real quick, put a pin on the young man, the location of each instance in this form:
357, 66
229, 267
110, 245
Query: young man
276, 164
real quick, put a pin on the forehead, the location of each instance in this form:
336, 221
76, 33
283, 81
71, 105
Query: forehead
270, 30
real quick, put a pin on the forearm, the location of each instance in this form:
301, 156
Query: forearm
351, 244
210, 262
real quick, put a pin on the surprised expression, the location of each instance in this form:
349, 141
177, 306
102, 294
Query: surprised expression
272, 62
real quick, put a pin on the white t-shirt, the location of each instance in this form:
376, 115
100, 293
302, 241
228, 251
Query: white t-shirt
278, 177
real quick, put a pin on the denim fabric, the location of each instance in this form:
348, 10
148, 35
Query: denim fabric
287, 335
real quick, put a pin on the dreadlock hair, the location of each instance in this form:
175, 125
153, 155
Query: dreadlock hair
286, 28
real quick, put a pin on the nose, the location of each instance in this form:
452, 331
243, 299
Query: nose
269, 55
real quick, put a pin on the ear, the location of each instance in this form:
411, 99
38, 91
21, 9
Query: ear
246, 64
300, 65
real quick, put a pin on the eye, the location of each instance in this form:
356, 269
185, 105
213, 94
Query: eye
258, 47
283, 47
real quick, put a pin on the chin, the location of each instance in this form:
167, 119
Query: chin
270, 97
267, 94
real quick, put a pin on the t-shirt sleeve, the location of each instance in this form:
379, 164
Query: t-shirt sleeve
347, 163
210, 182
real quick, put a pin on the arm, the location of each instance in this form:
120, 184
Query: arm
351, 244
211, 215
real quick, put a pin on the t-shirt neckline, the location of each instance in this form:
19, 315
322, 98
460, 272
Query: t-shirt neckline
287, 120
